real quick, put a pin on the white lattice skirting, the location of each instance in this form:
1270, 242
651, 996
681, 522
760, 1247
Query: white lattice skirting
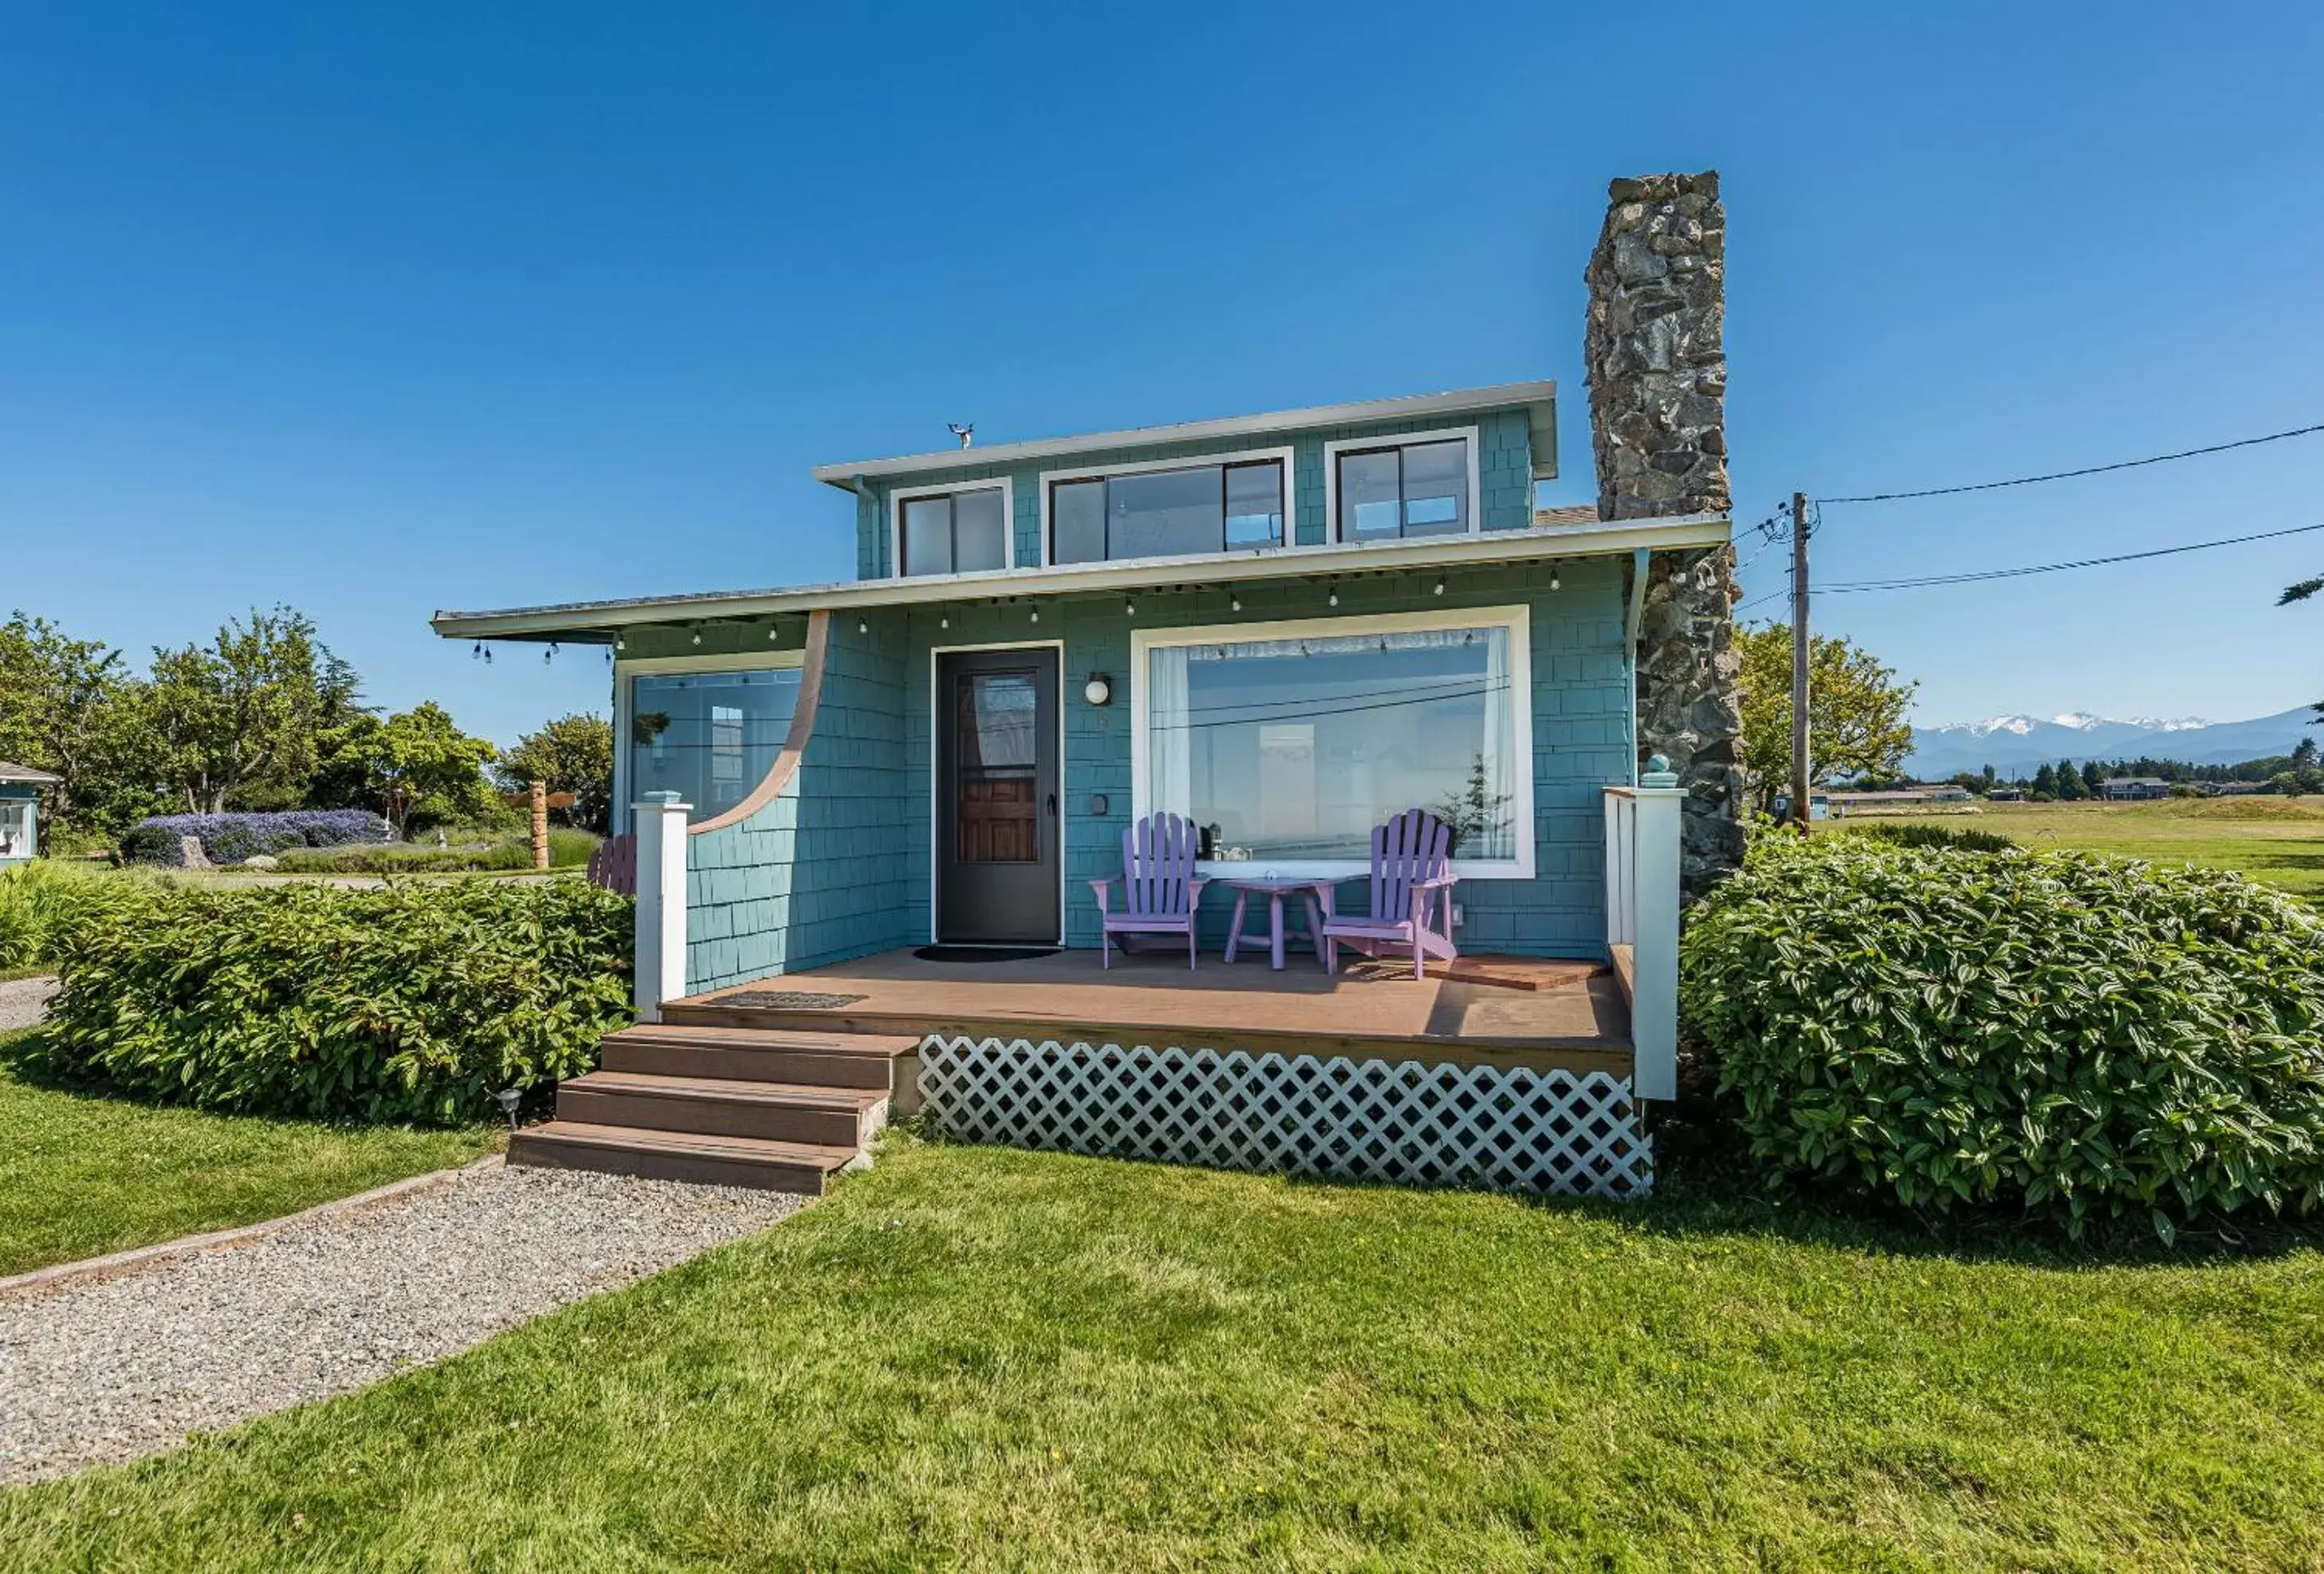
1508, 1129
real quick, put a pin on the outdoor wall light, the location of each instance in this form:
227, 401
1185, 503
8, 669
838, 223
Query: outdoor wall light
1234, 603
1036, 614
1099, 689
619, 643
1129, 609
1332, 599
697, 636
1553, 577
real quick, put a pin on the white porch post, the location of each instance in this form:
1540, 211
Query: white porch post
1654, 1005
661, 973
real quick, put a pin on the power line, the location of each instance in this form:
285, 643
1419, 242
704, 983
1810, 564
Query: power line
2086, 470
1864, 585
1922, 581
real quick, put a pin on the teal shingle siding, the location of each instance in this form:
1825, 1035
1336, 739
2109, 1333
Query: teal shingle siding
838, 866
817, 876
1504, 470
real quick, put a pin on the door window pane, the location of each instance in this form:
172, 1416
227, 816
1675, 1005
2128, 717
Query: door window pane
1077, 518
927, 534
1254, 505
980, 536
1371, 495
1437, 489
710, 736
1164, 513
997, 713
1294, 749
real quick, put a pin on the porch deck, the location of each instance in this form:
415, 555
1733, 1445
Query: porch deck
1568, 1016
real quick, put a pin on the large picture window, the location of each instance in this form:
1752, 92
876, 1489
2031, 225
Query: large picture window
1392, 490
1170, 511
1286, 743
953, 532
711, 737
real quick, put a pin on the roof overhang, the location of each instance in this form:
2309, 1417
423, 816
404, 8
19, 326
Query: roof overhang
584, 623
26, 774
1539, 399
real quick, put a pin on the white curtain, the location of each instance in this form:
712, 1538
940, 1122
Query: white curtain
1169, 736
1499, 839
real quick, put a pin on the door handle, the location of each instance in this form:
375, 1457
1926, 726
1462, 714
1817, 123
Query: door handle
1053, 805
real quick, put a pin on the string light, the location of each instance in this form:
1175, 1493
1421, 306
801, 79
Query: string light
1439, 590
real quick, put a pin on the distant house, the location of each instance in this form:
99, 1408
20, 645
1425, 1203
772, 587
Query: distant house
2133, 789
2005, 796
20, 811
1899, 798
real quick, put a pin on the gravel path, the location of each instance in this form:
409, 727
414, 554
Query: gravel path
118, 1368
24, 1002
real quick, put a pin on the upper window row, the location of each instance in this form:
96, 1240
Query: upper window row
1380, 491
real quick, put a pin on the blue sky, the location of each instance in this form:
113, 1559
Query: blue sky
378, 310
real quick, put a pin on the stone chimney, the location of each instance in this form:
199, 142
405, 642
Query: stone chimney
1657, 358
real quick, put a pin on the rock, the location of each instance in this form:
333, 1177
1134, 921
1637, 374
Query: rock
261, 860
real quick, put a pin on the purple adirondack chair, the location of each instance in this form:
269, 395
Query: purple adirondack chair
1412, 897
1160, 890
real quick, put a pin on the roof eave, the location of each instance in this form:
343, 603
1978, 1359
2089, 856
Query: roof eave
587, 622
1539, 398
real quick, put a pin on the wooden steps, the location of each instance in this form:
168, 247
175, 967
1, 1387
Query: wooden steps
769, 1107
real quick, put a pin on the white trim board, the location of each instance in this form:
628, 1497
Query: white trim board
1517, 620
935, 797
896, 499
1332, 450
1283, 457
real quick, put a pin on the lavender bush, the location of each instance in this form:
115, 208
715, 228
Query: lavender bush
231, 838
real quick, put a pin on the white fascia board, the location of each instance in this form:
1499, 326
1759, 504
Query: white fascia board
579, 621
1540, 398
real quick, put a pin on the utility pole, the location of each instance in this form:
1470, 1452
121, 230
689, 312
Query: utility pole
1800, 661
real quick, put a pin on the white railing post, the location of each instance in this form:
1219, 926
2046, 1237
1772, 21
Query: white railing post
660, 822
1653, 916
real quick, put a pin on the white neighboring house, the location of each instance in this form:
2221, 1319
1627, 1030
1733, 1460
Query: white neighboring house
20, 811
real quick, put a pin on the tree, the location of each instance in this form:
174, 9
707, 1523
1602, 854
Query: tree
245, 712
1477, 815
416, 767
572, 754
69, 708
2045, 781
1856, 711
2298, 593
2093, 777
2069, 783
1989, 779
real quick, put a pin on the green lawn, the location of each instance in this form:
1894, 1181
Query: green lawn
81, 1175
997, 1360
2279, 840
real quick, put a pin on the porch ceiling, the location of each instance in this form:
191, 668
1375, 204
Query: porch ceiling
583, 623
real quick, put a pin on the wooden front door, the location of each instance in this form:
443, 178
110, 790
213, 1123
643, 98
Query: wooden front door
997, 825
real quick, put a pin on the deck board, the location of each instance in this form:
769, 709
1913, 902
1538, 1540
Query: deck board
1571, 1015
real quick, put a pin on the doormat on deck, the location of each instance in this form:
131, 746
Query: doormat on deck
789, 1000
985, 953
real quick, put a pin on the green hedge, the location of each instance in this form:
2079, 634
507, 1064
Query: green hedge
43, 904
403, 1003
1919, 834
2072, 1033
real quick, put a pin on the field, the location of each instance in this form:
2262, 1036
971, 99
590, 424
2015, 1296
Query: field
2279, 840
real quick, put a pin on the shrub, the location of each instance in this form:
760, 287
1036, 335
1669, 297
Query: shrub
2071, 1033
404, 857
43, 905
230, 838
1910, 833
406, 1002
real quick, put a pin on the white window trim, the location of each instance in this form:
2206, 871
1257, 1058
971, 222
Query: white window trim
1333, 449
935, 786
1517, 620
625, 669
897, 497
1049, 478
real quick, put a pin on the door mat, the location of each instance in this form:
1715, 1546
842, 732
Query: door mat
789, 1000
985, 953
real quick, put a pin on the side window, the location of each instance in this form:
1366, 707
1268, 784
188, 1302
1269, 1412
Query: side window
1403, 490
954, 532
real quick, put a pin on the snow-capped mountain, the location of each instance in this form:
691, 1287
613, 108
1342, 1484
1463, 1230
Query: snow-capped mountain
2019, 744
